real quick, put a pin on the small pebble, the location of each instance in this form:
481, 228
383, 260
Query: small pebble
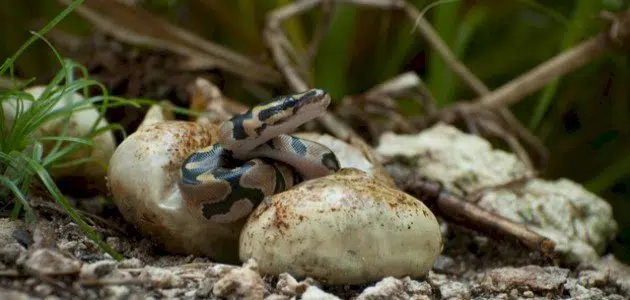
444, 264
172, 293
43, 289
388, 288
160, 277
416, 288
115, 291
591, 278
436, 279
454, 289
23, 237
205, 288
97, 270
287, 285
241, 283
130, 263
50, 262
314, 293
10, 253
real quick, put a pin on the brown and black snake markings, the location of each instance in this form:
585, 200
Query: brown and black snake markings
254, 158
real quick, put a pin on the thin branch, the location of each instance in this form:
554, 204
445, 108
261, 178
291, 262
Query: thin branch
471, 216
540, 76
444, 51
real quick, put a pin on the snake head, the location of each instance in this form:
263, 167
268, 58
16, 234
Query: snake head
247, 131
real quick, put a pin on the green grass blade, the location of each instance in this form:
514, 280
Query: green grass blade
8, 63
441, 79
577, 26
333, 58
23, 203
73, 163
67, 139
606, 178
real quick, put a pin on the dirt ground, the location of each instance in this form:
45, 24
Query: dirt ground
52, 259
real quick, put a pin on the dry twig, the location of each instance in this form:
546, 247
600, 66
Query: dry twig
461, 212
537, 78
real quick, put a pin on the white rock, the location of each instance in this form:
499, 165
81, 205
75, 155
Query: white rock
343, 228
580, 223
388, 288
97, 269
314, 293
50, 262
454, 290
240, 283
287, 285
161, 277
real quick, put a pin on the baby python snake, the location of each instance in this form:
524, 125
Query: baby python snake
254, 157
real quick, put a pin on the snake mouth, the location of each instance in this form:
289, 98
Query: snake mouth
314, 96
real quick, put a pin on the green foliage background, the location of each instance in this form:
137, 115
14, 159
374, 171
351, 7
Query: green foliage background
583, 118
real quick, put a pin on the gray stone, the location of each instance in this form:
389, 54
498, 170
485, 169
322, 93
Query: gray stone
592, 278
534, 278
10, 252
454, 290
50, 262
97, 269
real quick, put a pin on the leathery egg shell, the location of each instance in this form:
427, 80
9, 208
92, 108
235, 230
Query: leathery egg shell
345, 228
143, 176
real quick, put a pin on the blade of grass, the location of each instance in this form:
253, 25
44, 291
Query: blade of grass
404, 41
333, 57
22, 204
9, 61
608, 176
67, 139
73, 163
582, 13
61, 200
440, 78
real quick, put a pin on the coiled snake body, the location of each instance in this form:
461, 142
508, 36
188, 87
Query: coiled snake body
254, 158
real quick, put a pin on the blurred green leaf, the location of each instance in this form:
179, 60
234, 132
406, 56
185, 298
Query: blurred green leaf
581, 18
440, 79
334, 54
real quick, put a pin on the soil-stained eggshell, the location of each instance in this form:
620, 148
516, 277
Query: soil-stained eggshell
143, 180
345, 228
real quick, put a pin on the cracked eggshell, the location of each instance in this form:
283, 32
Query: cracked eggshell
355, 154
143, 180
345, 228
80, 124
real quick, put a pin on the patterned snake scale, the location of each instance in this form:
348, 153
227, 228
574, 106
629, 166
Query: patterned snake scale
254, 158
